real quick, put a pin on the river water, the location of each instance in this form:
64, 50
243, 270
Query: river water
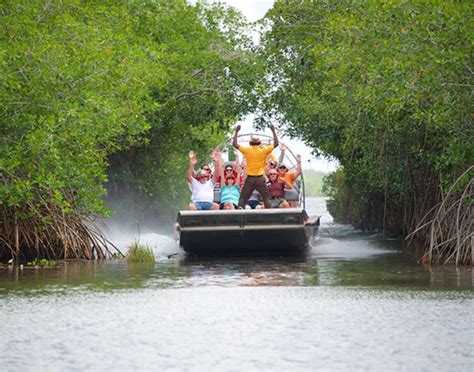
354, 302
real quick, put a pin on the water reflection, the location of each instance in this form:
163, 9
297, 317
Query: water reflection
265, 271
382, 270
75, 276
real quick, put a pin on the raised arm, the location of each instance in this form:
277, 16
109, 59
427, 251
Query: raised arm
192, 163
275, 138
298, 165
238, 167
236, 159
281, 158
234, 142
243, 165
267, 166
216, 157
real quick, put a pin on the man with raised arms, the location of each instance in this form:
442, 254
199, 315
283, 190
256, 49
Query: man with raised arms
255, 157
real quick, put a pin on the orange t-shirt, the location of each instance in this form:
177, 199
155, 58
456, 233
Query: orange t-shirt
255, 157
290, 177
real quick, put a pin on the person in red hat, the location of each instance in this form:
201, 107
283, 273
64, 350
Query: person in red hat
255, 157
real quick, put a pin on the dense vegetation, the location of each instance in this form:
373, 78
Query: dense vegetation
83, 83
210, 70
386, 88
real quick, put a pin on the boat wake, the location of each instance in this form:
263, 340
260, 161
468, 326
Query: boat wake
163, 246
347, 249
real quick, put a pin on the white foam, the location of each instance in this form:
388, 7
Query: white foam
163, 246
346, 249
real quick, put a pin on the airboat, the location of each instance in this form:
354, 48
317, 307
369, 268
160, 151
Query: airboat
277, 231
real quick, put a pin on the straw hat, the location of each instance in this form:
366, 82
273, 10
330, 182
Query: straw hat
254, 140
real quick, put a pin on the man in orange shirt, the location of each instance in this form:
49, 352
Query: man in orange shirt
255, 157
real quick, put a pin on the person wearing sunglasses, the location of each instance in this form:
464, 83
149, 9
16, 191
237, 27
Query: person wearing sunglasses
216, 154
206, 167
255, 157
230, 191
276, 187
201, 186
229, 171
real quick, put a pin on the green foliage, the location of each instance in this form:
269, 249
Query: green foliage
74, 88
385, 87
313, 182
140, 253
210, 80
340, 200
116, 256
96, 91
41, 262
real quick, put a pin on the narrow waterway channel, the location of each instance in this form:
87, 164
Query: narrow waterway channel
354, 302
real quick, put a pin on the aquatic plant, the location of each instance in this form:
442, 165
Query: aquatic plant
140, 253
42, 262
116, 256
449, 225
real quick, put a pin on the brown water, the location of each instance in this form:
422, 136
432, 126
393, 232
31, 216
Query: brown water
354, 302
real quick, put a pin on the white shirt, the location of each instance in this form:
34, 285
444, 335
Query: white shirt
202, 192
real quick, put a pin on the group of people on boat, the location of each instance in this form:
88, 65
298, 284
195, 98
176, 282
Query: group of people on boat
259, 181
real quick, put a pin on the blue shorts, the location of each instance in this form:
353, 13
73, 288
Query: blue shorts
203, 206
235, 205
253, 203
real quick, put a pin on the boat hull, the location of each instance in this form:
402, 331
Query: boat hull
246, 232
